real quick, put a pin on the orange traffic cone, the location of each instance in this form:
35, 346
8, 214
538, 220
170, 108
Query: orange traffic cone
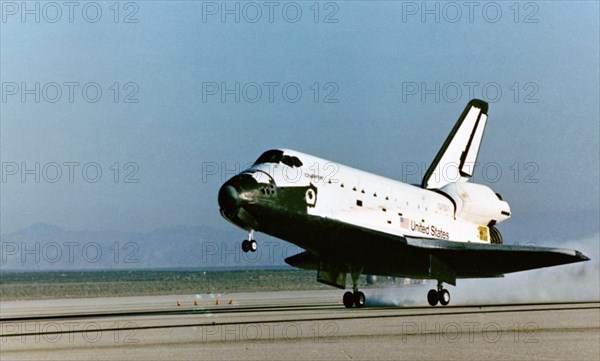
195, 302
217, 302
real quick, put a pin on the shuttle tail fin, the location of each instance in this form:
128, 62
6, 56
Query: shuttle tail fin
455, 161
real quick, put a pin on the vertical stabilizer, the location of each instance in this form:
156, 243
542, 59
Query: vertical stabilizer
455, 162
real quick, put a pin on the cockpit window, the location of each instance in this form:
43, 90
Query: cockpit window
270, 156
297, 162
291, 161
287, 160
277, 156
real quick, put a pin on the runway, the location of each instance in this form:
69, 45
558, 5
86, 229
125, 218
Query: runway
292, 325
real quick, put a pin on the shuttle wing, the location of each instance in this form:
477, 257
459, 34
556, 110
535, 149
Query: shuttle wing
456, 159
380, 253
474, 260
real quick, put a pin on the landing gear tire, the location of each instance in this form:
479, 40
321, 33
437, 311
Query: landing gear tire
443, 297
354, 298
432, 297
359, 299
249, 245
348, 299
245, 245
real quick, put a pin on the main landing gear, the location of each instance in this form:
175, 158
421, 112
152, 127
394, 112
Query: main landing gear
354, 298
440, 295
250, 243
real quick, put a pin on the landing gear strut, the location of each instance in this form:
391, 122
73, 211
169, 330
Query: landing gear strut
250, 243
440, 295
354, 298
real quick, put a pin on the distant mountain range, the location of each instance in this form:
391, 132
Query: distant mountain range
48, 247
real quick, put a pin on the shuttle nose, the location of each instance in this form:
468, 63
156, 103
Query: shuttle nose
228, 197
239, 190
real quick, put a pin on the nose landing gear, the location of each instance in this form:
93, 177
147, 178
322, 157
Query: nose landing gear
440, 295
250, 245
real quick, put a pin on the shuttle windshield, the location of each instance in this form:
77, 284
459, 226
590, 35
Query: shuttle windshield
277, 156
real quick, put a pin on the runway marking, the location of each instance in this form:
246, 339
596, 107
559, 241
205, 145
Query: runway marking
198, 310
329, 318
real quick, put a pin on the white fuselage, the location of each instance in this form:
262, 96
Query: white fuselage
386, 205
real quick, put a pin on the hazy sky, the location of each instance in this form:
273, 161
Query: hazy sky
167, 98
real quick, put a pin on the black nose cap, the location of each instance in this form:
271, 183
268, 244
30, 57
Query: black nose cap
228, 197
